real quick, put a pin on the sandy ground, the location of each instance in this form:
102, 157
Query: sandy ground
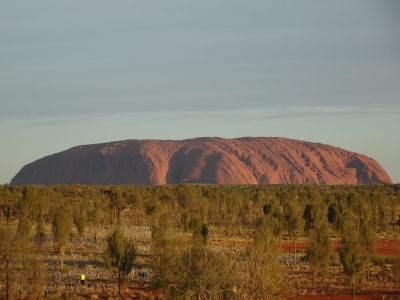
384, 247
361, 296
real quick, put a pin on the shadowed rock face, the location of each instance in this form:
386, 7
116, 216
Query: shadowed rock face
203, 160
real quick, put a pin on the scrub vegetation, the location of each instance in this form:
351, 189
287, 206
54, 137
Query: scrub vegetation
196, 241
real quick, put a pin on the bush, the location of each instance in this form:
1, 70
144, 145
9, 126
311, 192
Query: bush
379, 261
390, 260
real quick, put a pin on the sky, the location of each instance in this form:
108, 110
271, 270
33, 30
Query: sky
81, 72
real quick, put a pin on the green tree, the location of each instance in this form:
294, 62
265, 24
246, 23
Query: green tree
162, 232
9, 198
262, 276
198, 229
204, 233
319, 250
357, 206
40, 233
62, 227
338, 216
24, 233
41, 207
80, 223
28, 201
273, 211
369, 242
166, 249
195, 273
294, 222
119, 200
119, 255
393, 203
22, 237
310, 215
95, 217
383, 209
396, 263
8, 248
20, 266
34, 275
352, 257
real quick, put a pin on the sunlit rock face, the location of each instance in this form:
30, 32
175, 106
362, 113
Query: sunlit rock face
204, 160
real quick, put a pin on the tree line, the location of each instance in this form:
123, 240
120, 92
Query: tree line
225, 206
353, 215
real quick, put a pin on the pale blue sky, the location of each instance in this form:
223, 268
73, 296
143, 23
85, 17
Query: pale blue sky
89, 71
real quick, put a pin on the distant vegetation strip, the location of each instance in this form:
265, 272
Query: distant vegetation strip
229, 236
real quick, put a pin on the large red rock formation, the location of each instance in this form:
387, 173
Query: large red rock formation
203, 160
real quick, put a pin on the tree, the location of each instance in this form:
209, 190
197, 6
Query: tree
183, 269
358, 207
35, 276
22, 237
166, 249
80, 223
41, 207
163, 233
95, 216
379, 199
62, 227
119, 200
119, 255
40, 233
24, 233
261, 276
319, 250
28, 260
397, 261
393, 203
28, 201
352, 257
198, 229
7, 257
294, 222
204, 233
338, 216
9, 197
195, 273
275, 217
369, 242
21, 265
310, 216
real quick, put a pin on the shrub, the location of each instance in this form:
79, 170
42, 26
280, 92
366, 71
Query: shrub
379, 261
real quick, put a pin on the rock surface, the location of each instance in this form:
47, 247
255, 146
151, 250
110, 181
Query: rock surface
203, 160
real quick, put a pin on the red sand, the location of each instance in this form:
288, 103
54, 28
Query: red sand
384, 247
361, 296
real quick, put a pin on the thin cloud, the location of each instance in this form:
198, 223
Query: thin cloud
65, 120
232, 115
282, 113
324, 111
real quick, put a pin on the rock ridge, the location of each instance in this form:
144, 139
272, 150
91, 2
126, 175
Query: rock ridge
211, 160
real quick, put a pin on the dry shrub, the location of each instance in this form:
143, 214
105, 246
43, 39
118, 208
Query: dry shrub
35, 272
396, 263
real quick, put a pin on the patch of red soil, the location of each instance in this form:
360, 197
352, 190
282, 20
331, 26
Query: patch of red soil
362, 296
384, 247
144, 291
